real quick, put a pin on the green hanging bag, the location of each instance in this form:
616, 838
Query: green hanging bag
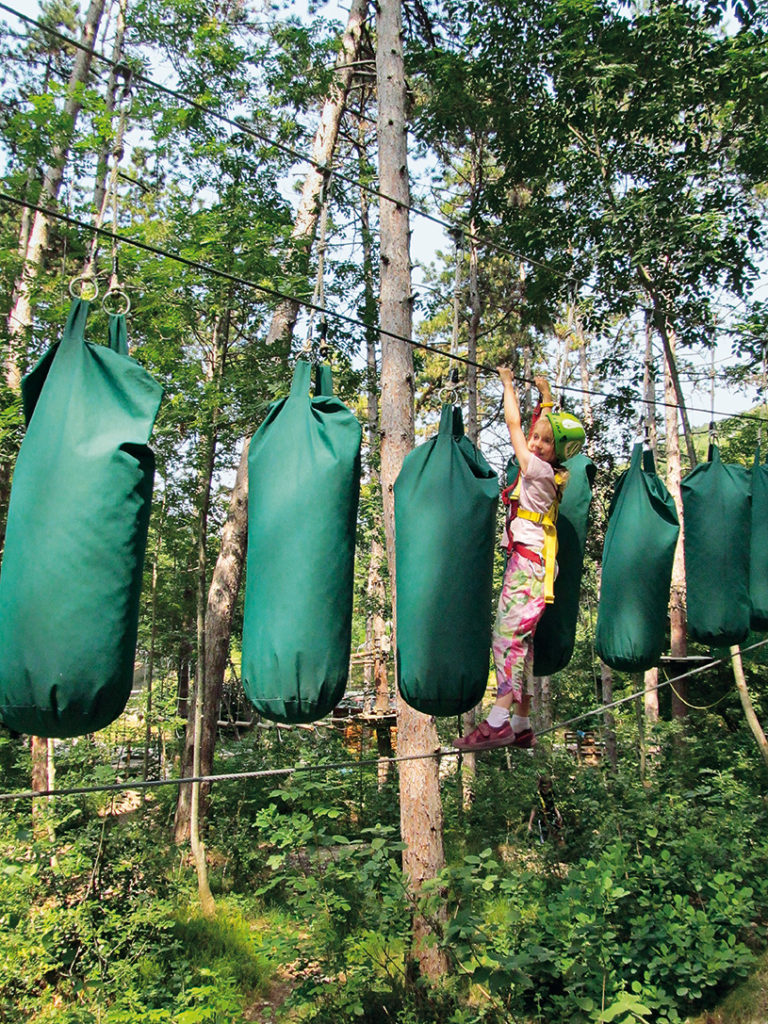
758, 548
445, 528
303, 491
76, 536
555, 634
638, 554
717, 513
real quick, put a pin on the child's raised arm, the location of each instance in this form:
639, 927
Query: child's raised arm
512, 418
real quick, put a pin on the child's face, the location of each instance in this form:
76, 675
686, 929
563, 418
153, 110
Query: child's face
542, 440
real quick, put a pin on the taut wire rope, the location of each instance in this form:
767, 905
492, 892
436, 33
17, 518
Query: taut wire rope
344, 765
343, 317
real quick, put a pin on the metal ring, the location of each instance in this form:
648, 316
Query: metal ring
84, 279
119, 292
448, 394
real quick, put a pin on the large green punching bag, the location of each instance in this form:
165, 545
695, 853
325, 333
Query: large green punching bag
638, 554
758, 548
445, 528
556, 632
716, 511
76, 536
303, 490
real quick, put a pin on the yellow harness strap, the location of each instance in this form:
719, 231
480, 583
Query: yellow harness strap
548, 522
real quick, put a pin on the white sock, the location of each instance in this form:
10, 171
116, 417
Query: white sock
497, 716
519, 723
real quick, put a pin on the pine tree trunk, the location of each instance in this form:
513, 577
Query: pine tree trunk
651, 701
651, 678
42, 768
200, 736
649, 389
20, 317
469, 719
606, 681
104, 175
677, 618
227, 573
376, 625
665, 330
586, 383
421, 819
153, 636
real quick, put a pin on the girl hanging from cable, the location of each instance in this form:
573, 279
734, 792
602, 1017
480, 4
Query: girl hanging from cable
530, 540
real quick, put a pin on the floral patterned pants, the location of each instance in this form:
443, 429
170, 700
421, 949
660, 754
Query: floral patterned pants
521, 605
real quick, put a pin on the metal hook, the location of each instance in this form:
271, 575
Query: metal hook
122, 295
450, 393
84, 280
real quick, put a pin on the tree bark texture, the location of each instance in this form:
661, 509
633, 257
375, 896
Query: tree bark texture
606, 681
421, 819
649, 390
677, 616
651, 696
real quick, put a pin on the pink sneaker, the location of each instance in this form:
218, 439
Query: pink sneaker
524, 740
485, 737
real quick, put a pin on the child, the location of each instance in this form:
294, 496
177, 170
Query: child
553, 438
550, 820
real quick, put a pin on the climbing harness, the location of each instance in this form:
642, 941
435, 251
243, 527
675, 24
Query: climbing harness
510, 497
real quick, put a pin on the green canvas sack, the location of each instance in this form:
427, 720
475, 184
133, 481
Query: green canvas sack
717, 514
445, 528
638, 554
303, 491
758, 548
76, 536
555, 635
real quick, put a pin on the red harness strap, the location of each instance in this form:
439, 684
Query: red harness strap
533, 556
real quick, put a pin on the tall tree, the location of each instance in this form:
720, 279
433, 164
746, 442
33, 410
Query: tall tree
20, 316
227, 573
421, 822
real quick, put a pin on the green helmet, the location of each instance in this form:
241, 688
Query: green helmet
568, 433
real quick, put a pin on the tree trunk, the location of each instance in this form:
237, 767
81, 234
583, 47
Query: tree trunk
677, 619
227, 573
475, 302
651, 678
649, 390
200, 736
586, 401
746, 702
153, 637
606, 681
323, 148
42, 765
673, 389
542, 702
20, 317
105, 177
469, 719
421, 819
376, 625
651, 696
